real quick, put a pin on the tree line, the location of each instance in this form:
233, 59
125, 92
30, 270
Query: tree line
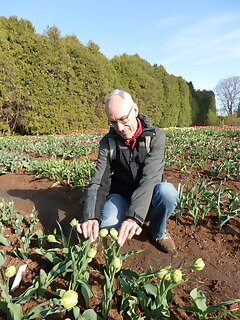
50, 83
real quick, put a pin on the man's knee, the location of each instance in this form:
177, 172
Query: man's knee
166, 191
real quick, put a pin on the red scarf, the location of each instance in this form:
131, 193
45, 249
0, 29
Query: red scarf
132, 141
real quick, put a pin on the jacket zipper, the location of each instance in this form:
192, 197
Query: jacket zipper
131, 156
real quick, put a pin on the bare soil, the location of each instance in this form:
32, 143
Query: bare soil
218, 248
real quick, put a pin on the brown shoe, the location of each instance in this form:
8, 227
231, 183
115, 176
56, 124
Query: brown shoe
166, 244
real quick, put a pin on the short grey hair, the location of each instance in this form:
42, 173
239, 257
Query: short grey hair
123, 94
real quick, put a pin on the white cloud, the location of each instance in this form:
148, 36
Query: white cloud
210, 40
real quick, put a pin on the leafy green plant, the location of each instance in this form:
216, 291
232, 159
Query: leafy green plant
11, 161
13, 307
67, 259
3, 240
233, 208
152, 289
25, 240
7, 211
113, 261
202, 311
73, 173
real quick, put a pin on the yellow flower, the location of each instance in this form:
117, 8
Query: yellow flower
176, 276
113, 233
10, 271
103, 233
69, 299
198, 264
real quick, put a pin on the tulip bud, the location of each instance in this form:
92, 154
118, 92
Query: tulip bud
74, 222
51, 238
10, 271
89, 260
117, 263
103, 233
168, 276
91, 253
69, 299
133, 300
198, 264
176, 276
113, 233
162, 273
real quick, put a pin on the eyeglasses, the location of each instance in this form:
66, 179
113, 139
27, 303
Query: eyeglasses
123, 120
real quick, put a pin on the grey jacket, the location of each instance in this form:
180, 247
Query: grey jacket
131, 173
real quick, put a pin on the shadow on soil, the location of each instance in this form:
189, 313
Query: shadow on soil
53, 204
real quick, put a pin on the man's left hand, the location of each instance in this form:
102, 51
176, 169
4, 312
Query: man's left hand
128, 229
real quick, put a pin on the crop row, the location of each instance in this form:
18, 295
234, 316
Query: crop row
205, 197
63, 146
74, 173
203, 143
209, 149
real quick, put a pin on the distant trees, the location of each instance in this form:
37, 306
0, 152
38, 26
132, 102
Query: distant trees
162, 97
207, 108
203, 107
228, 92
50, 83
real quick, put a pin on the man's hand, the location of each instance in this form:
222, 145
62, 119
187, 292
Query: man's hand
89, 228
128, 229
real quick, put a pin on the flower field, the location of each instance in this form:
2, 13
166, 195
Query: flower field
61, 276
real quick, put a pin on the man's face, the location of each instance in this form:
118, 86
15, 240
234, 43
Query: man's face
122, 116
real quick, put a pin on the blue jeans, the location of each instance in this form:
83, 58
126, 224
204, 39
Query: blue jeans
164, 201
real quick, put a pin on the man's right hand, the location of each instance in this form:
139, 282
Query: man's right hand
89, 228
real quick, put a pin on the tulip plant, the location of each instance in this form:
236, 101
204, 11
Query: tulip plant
152, 289
113, 261
7, 212
202, 311
204, 197
13, 307
3, 240
25, 240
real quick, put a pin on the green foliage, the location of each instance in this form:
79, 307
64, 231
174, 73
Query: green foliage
162, 97
231, 120
50, 83
206, 102
202, 311
203, 107
212, 119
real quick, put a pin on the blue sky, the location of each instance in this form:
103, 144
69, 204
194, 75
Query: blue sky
198, 40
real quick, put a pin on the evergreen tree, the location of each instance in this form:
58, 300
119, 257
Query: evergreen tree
51, 83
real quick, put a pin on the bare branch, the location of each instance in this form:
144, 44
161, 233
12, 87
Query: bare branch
228, 94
